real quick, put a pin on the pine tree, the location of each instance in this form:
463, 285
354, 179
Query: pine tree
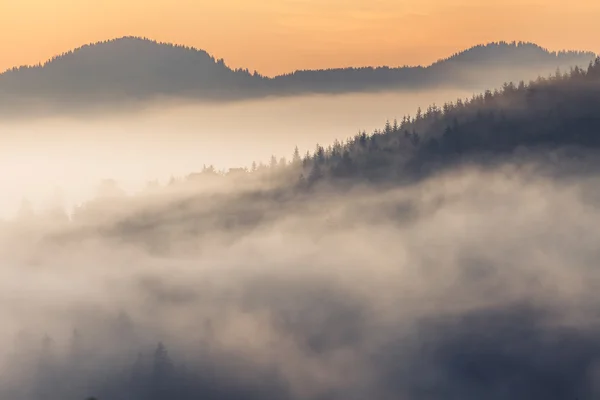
388, 127
76, 348
319, 154
162, 369
419, 114
296, 159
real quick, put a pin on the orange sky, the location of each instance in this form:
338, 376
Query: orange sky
274, 36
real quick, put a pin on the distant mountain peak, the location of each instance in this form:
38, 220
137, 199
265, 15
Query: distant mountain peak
509, 52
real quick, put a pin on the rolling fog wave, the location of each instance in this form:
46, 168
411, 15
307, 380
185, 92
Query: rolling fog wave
471, 284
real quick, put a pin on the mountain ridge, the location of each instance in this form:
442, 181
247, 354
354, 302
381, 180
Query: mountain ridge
462, 54
134, 68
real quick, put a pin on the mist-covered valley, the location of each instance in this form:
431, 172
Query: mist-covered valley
61, 158
451, 254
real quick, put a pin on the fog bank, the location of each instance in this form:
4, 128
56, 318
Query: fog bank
40, 155
472, 284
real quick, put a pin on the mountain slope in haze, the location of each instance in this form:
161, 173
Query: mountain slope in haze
476, 68
562, 111
132, 68
473, 285
125, 68
549, 117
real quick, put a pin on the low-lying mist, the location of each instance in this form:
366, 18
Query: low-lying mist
471, 284
37, 156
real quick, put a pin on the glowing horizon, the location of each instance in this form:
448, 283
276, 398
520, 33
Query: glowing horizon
279, 36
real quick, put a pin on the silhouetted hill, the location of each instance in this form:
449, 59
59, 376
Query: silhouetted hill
132, 68
126, 68
476, 68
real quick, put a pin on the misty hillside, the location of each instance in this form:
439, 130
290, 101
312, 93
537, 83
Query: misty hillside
549, 117
477, 282
544, 120
557, 112
548, 120
470, 284
132, 68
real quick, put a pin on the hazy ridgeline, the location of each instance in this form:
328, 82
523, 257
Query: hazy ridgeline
127, 73
451, 255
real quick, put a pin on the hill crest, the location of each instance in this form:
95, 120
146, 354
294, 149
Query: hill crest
491, 51
139, 69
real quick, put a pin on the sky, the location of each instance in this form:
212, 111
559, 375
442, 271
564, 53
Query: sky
277, 36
